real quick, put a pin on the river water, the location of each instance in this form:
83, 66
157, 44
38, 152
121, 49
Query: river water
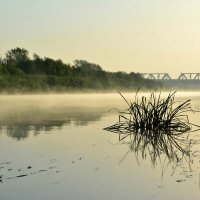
54, 147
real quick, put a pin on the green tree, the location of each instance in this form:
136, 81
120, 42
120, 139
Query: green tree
85, 66
1, 69
16, 56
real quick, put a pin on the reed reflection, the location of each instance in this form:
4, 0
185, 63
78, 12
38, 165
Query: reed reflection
165, 146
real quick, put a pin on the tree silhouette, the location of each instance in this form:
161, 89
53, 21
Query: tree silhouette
16, 56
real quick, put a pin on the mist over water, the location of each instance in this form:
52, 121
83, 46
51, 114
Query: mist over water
40, 108
23, 113
47, 111
77, 155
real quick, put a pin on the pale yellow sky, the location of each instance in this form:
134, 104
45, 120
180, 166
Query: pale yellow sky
125, 35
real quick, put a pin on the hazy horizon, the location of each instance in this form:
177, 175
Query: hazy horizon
138, 36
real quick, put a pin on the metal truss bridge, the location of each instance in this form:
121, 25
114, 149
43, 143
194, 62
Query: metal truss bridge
166, 76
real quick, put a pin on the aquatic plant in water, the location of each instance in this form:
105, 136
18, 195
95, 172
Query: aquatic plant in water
156, 125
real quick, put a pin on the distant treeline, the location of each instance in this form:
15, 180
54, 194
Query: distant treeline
20, 73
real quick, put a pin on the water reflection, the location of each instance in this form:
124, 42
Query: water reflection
26, 123
157, 128
21, 115
17, 132
164, 150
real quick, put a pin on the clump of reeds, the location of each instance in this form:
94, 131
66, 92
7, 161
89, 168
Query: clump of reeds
155, 125
153, 114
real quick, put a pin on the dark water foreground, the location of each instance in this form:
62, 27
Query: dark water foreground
53, 147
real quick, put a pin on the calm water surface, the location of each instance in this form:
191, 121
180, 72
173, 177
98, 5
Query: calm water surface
54, 147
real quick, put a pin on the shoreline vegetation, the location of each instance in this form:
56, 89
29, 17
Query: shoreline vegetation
24, 74
20, 73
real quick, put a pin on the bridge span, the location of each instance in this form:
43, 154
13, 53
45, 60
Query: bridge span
166, 76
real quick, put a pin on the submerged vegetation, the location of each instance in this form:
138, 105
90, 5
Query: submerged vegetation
156, 126
20, 73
